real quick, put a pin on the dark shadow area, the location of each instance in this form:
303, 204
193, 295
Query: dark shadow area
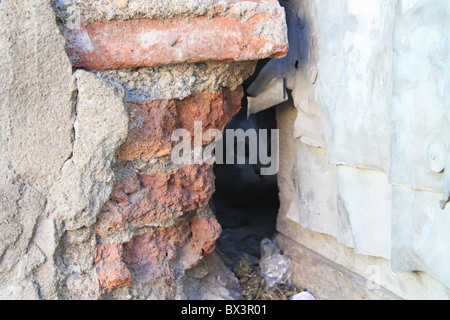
246, 202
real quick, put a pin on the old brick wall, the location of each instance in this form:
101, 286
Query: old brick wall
176, 66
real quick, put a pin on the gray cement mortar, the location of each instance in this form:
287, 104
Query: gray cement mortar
179, 81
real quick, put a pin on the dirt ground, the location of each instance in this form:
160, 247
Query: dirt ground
239, 248
242, 232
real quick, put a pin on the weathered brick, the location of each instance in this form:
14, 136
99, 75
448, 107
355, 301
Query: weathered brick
111, 271
205, 232
155, 254
151, 200
142, 42
152, 122
148, 254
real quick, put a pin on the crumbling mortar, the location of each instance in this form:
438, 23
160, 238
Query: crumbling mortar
123, 236
98, 10
179, 81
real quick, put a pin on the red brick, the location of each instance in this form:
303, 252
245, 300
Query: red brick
152, 122
111, 271
148, 254
160, 197
141, 42
155, 254
205, 232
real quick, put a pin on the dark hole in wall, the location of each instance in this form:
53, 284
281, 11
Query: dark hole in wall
246, 203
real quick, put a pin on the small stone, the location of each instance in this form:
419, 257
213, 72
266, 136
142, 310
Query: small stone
122, 3
302, 296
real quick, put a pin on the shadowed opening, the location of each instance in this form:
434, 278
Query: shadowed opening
245, 202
